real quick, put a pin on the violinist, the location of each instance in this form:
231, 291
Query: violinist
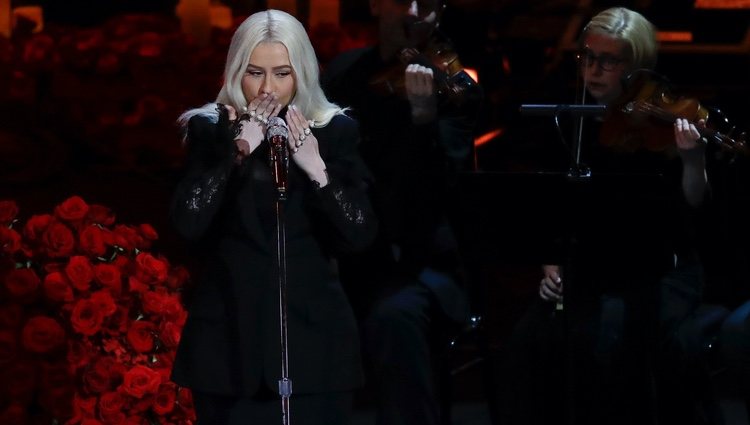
622, 250
407, 287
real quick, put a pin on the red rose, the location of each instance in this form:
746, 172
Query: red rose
150, 269
153, 302
56, 266
128, 237
72, 209
14, 414
162, 304
177, 277
8, 211
104, 302
80, 353
57, 389
56, 376
42, 334
36, 226
136, 285
185, 400
124, 264
22, 283
40, 52
148, 232
141, 380
165, 398
56, 288
162, 363
120, 320
83, 408
99, 214
92, 240
169, 334
20, 379
8, 347
58, 240
109, 276
181, 318
136, 420
111, 406
86, 317
58, 402
102, 376
80, 272
10, 240
143, 405
11, 316
141, 336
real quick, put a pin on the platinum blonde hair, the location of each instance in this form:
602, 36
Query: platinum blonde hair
273, 26
630, 27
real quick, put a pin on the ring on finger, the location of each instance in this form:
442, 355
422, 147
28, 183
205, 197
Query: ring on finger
307, 131
302, 137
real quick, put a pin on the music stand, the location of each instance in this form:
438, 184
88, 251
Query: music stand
577, 170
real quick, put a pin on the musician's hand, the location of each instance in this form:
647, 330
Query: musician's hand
686, 134
420, 90
551, 286
693, 155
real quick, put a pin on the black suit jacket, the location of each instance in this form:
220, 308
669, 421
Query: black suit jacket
231, 340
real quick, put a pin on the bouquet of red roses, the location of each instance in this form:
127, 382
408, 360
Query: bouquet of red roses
89, 320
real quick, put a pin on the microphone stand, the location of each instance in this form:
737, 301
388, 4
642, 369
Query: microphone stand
279, 162
577, 172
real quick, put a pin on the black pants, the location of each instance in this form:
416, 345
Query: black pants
402, 340
622, 358
684, 393
265, 408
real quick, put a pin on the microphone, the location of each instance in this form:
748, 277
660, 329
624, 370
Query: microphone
278, 153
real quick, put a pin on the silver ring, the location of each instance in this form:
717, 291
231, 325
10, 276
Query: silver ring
307, 131
302, 137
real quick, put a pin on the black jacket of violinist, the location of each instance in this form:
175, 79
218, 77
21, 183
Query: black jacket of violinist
407, 286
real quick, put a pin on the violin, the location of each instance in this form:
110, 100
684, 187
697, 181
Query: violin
644, 115
452, 83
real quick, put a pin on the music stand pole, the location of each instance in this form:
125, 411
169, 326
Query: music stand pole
576, 172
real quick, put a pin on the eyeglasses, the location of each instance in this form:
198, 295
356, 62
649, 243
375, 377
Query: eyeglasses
605, 61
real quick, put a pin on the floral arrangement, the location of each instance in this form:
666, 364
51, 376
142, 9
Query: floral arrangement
89, 320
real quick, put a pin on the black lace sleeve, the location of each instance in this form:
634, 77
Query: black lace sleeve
199, 194
343, 204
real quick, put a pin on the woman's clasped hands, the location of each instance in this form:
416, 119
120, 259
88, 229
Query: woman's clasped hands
253, 123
